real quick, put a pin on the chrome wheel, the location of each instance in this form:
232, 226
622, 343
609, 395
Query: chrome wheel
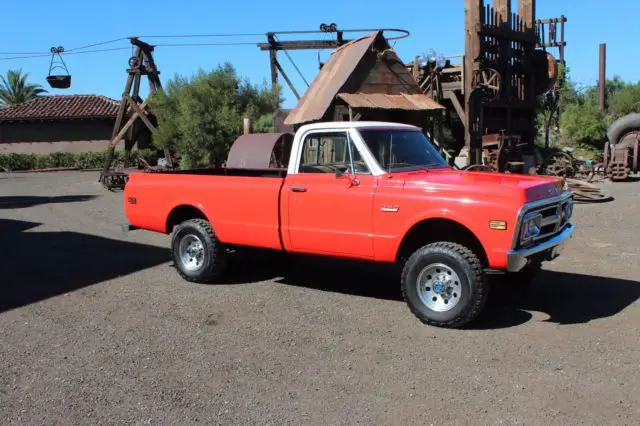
191, 252
439, 287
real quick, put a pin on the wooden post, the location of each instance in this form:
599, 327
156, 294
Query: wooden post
527, 12
602, 81
503, 15
473, 139
247, 127
502, 9
273, 60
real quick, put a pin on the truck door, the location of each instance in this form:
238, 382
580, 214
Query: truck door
328, 211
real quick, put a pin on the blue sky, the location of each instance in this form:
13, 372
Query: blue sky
433, 24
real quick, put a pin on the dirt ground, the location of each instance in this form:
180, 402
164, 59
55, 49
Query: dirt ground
96, 327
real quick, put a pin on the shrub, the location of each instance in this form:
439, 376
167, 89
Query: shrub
79, 160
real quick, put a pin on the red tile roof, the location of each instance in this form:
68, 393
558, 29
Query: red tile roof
61, 107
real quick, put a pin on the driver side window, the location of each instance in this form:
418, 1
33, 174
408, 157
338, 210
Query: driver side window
330, 153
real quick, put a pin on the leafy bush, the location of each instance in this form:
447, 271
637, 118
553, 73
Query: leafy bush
201, 116
79, 160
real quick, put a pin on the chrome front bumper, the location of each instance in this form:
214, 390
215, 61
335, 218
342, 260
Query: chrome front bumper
518, 259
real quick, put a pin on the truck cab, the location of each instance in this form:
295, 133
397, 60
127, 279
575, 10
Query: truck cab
372, 191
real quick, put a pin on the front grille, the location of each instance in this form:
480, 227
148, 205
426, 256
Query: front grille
554, 219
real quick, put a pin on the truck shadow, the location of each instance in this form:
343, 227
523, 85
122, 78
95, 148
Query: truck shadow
21, 202
565, 298
35, 266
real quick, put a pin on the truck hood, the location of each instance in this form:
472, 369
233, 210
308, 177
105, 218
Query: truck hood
524, 188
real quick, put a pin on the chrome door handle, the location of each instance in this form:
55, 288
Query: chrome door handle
298, 189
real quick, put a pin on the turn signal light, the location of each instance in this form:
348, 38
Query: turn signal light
499, 225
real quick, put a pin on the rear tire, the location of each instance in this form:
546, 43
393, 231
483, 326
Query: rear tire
443, 285
197, 253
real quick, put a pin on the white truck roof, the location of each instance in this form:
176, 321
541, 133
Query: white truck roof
352, 125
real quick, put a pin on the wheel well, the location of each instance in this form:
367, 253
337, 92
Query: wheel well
434, 230
182, 213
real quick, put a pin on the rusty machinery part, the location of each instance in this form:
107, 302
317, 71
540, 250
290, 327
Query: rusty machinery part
618, 171
559, 164
623, 127
114, 180
134, 62
331, 28
585, 192
402, 33
478, 168
488, 81
630, 141
606, 155
142, 163
260, 150
546, 71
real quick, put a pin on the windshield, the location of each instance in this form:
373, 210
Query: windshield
403, 150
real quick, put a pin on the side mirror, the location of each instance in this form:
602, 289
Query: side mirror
353, 179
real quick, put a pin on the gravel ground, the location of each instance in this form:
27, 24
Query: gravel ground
96, 327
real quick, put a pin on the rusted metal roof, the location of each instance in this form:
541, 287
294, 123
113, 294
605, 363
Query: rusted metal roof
333, 75
254, 151
404, 101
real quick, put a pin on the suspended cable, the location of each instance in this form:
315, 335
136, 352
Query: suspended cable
66, 53
41, 55
66, 50
96, 44
112, 49
204, 44
293, 63
202, 35
22, 53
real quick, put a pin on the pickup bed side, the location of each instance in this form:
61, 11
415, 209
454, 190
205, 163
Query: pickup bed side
243, 208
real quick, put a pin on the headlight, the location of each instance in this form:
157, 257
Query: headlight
530, 227
568, 211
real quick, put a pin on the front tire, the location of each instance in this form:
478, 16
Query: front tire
197, 253
443, 285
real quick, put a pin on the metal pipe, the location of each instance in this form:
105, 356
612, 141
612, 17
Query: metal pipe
247, 127
602, 83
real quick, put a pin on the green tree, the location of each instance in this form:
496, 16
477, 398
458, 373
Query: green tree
582, 124
625, 101
200, 117
15, 89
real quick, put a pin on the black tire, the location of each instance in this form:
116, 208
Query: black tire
472, 284
214, 256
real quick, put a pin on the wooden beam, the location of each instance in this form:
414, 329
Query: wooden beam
503, 10
286, 78
301, 45
527, 12
473, 13
142, 113
124, 129
457, 105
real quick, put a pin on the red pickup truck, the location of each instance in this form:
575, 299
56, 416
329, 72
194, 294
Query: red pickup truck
364, 190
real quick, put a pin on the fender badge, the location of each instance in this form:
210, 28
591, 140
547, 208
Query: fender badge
390, 209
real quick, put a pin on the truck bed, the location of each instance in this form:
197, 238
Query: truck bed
243, 204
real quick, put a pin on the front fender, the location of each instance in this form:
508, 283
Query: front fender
475, 217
